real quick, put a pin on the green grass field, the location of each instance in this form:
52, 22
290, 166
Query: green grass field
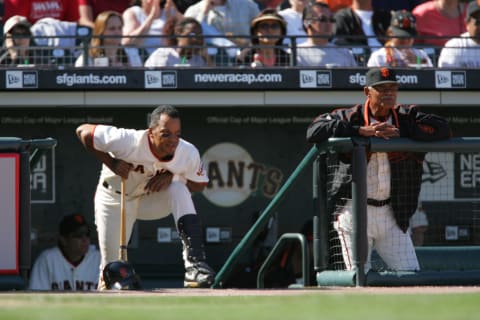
314, 305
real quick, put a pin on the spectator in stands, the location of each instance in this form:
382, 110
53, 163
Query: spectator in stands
19, 47
185, 45
90, 9
317, 50
228, 17
464, 51
439, 20
293, 17
393, 179
418, 226
145, 20
398, 51
72, 265
362, 28
60, 40
267, 32
34, 10
105, 47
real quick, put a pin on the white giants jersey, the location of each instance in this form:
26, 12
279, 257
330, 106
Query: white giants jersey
52, 271
133, 146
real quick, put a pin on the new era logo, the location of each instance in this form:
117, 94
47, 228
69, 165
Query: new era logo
307, 79
315, 79
21, 79
450, 79
160, 79
14, 79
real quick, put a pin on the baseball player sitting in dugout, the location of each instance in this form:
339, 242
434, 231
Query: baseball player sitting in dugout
161, 170
72, 265
393, 179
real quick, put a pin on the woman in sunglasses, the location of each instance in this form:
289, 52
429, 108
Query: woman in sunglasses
267, 31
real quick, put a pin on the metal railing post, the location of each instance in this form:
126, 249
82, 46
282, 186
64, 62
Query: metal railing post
359, 209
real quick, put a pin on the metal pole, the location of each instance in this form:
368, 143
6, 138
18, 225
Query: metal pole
359, 208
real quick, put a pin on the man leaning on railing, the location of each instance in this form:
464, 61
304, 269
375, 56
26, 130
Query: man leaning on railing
393, 179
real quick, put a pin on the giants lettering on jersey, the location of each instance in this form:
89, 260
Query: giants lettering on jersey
52, 9
79, 286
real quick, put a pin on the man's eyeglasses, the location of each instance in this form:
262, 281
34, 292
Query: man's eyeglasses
323, 19
271, 26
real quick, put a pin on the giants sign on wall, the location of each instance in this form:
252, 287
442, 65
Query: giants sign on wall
234, 175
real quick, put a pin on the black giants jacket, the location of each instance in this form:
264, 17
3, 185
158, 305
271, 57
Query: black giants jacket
406, 167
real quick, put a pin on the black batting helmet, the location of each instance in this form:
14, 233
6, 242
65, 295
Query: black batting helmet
120, 275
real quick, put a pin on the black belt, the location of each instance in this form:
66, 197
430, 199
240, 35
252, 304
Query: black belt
378, 203
107, 186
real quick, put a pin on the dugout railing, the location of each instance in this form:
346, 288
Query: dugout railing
440, 264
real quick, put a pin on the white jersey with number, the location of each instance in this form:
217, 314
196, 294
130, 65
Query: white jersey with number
134, 146
52, 271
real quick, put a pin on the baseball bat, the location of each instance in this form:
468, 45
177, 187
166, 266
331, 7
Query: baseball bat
122, 253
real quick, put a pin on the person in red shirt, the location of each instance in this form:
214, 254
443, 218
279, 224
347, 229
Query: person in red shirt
439, 20
89, 9
33, 10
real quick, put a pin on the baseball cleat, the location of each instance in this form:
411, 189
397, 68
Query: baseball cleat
199, 275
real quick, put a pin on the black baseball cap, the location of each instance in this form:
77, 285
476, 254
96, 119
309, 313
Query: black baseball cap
376, 76
472, 8
403, 24
71, 223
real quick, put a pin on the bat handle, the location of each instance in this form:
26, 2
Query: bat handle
123, 242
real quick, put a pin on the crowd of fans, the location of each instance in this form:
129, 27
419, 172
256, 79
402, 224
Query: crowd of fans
249, 33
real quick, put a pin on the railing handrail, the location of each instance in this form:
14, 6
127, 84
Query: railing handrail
457, 144
18, 144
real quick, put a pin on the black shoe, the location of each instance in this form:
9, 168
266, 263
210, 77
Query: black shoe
200, 275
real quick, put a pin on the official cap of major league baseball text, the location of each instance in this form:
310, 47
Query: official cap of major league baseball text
376, 76
403, 24
472, 8
71, 223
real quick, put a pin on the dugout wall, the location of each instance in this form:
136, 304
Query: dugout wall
261, 127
